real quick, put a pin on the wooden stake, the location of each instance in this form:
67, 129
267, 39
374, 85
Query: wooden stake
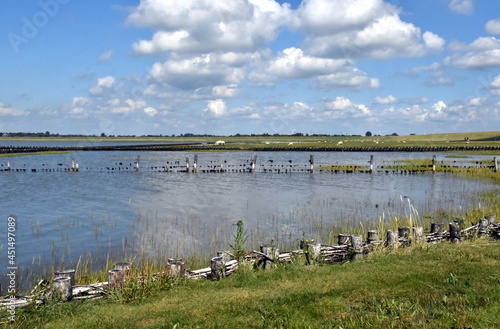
392, 238
418, 233
175, 267
373, 237
217, 268
433, 164
357, 246
455, 236
344, 239
62, 286
437, 228
66, 273
311, 161
371, 163
115, 279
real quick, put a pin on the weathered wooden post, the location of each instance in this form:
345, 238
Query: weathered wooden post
270, 257
8, 165
217, 268
253, 164
175, 267
392, 238
315, 250
311, 162
371, 163
418, 233
357, 246
373, 237
63, 288
433, 164
76, 167
404, 232
118, 275
495, 161
455, 236
344, 239
187, 164
72, 164
437, 228
482, 227
66, 273
137, 163
115, 279
195, 164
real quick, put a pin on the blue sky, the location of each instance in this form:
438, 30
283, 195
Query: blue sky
249, 66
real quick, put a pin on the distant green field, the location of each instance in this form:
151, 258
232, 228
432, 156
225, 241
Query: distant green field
490, 138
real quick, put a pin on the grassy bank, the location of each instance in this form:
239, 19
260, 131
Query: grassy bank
490, 138
440, 286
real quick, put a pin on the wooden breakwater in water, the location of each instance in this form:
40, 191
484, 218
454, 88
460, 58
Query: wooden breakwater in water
266, 165
199, 146
350, 247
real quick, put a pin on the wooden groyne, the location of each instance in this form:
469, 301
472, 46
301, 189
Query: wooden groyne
251, 165
199, 146
350, 247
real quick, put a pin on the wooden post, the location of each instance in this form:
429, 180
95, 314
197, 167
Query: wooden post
482, 227
218, 269
433, 164
404, 232
76, 167
195, 164
344, 239
373, 237
66, 273
187, 164
455, 236
437, 228
392, 239
115, 279
311, 161
175, 267
62, 286
8, 165
125, 268
72, 164
495, 164
253, 164
315, 250
371, 163
270, 258
357, 246
418, 233
137, 163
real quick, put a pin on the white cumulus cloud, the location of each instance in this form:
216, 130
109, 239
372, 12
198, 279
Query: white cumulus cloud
216, 108
103, 84
493, 26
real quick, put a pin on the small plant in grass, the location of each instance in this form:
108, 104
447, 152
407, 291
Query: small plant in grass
241, 236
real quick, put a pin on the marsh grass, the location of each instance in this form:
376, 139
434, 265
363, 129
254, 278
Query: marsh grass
441, 286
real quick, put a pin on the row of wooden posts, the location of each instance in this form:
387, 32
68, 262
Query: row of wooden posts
349, 247
253, 163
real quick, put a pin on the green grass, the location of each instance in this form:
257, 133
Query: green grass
490, 138
441, 286
12, 155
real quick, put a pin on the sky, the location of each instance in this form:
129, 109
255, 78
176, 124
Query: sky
228, 67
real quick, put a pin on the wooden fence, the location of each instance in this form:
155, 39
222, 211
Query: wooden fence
349, 247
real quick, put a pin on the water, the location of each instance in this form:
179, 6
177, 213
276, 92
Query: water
109, 208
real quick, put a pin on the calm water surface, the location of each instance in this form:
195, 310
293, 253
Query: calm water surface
109, 208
